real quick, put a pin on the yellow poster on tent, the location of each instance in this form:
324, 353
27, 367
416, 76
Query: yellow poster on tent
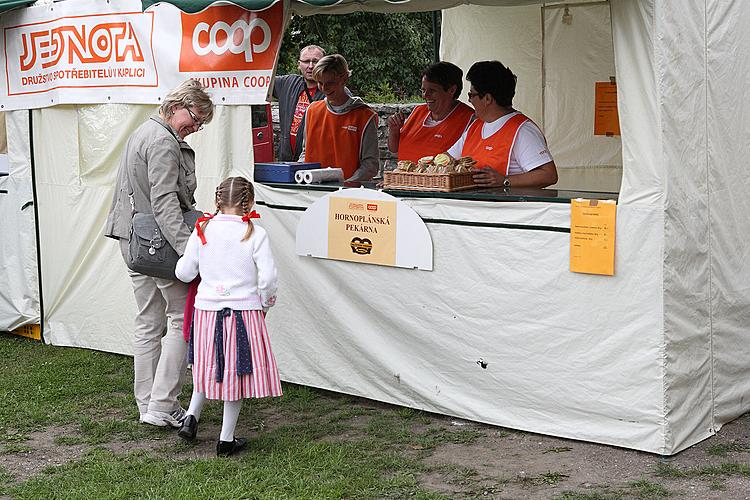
606, 118
592, 236
362, 230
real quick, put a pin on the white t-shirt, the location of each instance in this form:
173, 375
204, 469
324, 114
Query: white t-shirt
529, 151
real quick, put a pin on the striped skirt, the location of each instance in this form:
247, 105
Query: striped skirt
264, 380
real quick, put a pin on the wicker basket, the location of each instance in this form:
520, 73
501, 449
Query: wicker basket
428, 182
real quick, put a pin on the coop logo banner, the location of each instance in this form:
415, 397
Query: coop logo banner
227, 47
80, 52
92, 51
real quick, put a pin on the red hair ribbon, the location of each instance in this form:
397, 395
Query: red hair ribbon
198, 226
251, 215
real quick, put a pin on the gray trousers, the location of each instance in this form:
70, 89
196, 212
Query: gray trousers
160, 351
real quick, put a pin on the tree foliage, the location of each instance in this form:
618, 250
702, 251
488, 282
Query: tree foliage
386, 52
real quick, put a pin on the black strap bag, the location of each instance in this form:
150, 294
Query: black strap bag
149, 252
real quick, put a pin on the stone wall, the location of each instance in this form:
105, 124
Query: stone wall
383, 110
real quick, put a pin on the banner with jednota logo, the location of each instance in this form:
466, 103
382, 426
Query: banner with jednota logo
91, 51
365, 226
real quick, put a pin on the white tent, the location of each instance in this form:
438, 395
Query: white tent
654, 358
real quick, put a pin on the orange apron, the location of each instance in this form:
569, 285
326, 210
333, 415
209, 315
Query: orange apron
493, 151
335, 140
417, 140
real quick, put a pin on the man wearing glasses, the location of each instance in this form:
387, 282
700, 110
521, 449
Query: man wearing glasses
295, 93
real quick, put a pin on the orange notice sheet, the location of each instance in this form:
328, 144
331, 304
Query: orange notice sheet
606, 119
592, 236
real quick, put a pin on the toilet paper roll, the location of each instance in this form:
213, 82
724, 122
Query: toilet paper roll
318, 175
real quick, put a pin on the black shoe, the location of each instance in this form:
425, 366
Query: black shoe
226, 448
189, 428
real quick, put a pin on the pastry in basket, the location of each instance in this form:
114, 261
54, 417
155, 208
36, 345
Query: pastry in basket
425, 161
406, 166
465, 164
467, 161
443, 160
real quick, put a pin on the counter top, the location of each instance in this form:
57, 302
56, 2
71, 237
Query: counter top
487, 194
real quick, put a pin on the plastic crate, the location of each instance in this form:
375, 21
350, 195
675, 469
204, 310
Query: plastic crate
281, 171
30, 331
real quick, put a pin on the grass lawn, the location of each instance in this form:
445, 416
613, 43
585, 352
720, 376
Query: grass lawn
69, 429
308, 452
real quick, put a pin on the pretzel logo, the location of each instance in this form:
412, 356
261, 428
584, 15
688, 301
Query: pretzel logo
361, 246
229, 38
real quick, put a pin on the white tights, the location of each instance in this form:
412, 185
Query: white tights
231, 414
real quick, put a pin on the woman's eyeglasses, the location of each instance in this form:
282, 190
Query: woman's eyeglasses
472, 95
198, 123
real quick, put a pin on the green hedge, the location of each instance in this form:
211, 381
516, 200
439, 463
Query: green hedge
386, 52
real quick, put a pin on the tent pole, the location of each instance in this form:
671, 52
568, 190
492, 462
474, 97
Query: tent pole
435, 37
36, 225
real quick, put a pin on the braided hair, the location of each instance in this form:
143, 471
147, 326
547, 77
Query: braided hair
236, 192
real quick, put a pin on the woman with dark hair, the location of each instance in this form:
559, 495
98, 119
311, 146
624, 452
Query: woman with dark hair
509, 148
432, 127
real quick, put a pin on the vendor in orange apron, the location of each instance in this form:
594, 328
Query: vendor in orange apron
509, 148
340, 131
433, 127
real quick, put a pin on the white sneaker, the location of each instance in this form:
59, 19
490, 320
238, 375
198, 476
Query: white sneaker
179, 414
162, 419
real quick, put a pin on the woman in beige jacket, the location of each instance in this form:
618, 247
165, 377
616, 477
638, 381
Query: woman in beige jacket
161, 166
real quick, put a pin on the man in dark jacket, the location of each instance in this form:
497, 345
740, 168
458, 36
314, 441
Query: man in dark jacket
295, 93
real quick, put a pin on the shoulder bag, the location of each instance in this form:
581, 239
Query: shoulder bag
149, 252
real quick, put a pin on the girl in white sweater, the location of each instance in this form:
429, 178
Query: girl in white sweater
229, 345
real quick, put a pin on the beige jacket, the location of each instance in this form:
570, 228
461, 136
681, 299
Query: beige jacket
162, 167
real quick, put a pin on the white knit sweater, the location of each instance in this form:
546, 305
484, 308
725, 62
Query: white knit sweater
240, 275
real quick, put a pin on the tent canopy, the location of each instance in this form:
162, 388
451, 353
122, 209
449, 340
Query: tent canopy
309, 7
6, 5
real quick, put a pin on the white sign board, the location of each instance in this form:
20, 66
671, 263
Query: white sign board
365, 226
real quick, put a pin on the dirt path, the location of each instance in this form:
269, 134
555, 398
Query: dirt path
507, 464
493, 463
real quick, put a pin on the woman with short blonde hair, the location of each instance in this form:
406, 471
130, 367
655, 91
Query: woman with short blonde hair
189, 94
157, 176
